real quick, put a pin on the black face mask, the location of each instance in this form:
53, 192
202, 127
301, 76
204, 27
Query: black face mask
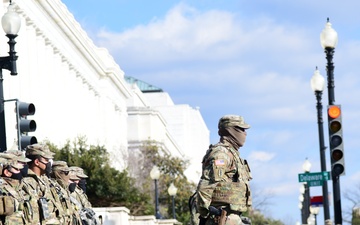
82, 184
16, 176
47, 168
72, 187
24, 171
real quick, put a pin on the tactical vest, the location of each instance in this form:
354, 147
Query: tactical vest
62, 197
17, 201
235, 193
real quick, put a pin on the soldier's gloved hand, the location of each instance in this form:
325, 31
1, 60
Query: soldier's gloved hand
214, 211
245, 220
202, 220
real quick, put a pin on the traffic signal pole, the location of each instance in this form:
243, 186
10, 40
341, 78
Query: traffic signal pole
2, 116
329, 51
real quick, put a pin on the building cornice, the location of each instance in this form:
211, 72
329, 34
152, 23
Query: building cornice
50, 18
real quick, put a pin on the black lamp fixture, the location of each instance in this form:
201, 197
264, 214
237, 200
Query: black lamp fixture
328, 41
318, 85
11, 23
155, 175
172, 192
306, 203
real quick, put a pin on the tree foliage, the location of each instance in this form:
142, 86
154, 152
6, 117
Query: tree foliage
172, 171
351, 213
106, 186
259, 219
133, 187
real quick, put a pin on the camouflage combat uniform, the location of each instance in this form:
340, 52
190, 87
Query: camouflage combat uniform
14, 197
60, 180
224, 183
80, 199
47, 209
77, 173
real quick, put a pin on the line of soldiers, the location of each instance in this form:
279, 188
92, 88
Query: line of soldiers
36, 190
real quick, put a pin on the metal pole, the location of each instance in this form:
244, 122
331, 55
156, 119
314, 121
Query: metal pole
303, 216
2, 116
173, 206
157, 213
319, 108
307, 201
330, 74
335, 179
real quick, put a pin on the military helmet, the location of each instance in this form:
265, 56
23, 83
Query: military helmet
232, 121
7, 159
39, 150
20, 155
78, 171
60, 165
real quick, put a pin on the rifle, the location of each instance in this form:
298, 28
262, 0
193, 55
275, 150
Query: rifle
220, 215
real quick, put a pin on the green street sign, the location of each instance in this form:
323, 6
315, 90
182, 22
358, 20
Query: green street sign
312, 177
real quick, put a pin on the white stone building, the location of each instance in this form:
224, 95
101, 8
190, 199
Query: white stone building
79, 89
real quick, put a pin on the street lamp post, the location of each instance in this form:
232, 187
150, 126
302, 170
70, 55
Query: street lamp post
155, 175
172, 192
11, 23
301, 203
314, 210
311, 220
317, 85
329, 40
306, 204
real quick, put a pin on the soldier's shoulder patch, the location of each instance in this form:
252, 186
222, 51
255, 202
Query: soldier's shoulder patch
219, 162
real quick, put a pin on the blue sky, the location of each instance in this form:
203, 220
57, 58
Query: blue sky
253, 58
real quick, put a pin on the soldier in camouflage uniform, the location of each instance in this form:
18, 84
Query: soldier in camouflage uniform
87, 214
224, 184
46, 207
79, 192
17, 208
60, 180
21, 159
73, 180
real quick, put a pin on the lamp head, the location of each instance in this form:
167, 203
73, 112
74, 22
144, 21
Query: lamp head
172, 190
11, 21
317, 81
155, 173
328, 37
306, 166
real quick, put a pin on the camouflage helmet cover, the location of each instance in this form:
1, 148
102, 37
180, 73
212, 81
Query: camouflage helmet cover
10, 160
60, 165
40, 150
232, 121
78, 171
20, 155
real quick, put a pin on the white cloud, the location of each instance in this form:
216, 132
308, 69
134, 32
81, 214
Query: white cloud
187, 34
261, 156
259, 66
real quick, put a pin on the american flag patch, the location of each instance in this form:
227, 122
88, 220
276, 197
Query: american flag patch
219, 162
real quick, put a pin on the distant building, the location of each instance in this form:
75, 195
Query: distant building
180, 126
79, 90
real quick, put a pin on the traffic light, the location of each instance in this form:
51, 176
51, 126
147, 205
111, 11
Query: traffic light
25, 125
336, 140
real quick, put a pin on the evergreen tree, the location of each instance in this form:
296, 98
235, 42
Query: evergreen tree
106, 186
